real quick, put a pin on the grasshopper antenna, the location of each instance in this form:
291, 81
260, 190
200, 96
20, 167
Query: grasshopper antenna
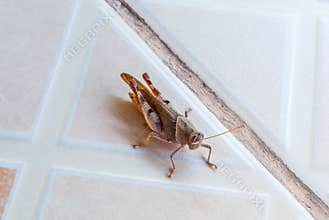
225, 132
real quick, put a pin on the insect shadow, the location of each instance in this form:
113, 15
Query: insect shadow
132, 127
130, 124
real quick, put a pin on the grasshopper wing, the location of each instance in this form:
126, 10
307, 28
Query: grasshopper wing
138, 96
153, 105
127, 78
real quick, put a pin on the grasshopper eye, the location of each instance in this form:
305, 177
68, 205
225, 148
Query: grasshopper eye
196, 138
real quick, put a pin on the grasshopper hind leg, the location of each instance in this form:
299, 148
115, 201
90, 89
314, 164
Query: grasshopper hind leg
150, 115
134, 99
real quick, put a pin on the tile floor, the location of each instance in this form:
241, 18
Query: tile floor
74, 151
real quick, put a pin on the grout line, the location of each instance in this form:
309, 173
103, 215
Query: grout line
55, 65
124, 149
30, 183
275, 165
44, 197
28, 135
25, 136
78, 90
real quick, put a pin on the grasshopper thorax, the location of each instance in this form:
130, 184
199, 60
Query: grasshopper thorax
195, 140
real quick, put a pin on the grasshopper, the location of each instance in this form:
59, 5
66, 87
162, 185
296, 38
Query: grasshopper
164, 122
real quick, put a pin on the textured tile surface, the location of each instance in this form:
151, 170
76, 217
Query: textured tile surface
31, 40
7, 177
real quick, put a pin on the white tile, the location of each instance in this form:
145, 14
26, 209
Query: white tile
31, 41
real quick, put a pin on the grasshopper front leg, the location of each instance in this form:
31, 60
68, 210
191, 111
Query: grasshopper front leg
173, 167
210, 164
187, 111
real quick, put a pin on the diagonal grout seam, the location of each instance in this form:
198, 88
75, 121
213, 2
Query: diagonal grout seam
275, 165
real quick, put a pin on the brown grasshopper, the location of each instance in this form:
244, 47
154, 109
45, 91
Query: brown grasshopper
166, 123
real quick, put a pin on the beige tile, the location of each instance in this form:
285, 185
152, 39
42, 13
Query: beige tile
31, 39
86, 197
7, 177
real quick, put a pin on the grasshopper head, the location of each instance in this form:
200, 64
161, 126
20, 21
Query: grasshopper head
195, 140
